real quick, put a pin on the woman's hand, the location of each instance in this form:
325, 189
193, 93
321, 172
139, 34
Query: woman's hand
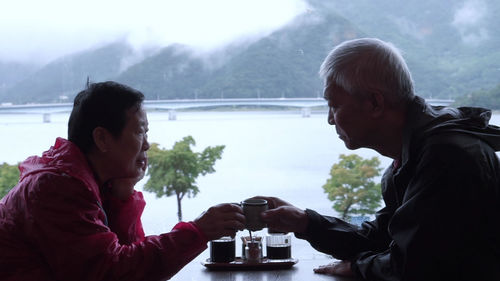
221, 220
123, 188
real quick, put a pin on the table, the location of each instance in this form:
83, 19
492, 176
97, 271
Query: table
307, 257
302, 271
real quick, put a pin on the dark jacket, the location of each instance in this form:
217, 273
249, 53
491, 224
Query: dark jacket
442, 215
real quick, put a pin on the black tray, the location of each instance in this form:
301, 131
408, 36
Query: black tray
240, 264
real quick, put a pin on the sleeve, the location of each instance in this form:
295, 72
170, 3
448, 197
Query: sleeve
438, 232
67, 228
124, 217
343, 240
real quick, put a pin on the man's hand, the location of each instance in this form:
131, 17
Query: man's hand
283, 216
273, 202
341, 268
221, 220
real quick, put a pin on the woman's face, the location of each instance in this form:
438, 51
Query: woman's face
127, 153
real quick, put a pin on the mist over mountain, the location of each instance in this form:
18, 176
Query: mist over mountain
12, 73
283, 64
452, 49
65, 77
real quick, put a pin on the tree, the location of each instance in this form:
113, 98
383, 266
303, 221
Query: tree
351, 186
175, 171
481, 98
9, 176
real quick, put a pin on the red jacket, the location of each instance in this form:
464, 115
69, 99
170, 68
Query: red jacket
52, 227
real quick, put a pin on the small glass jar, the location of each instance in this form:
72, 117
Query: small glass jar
245, 240
253, 251
278, 246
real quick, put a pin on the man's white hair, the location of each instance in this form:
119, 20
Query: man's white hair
367, 65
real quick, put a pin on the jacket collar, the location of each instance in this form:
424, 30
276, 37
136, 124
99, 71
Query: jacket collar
64, 157
424, 120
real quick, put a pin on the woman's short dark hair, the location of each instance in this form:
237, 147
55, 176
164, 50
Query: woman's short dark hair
103, 105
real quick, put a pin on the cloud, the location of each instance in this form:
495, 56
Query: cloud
468, 19
43, 30
407, 26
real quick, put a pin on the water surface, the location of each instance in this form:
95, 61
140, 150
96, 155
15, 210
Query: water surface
267, 153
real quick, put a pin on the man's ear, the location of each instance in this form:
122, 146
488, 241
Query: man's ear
102, 139
377, 102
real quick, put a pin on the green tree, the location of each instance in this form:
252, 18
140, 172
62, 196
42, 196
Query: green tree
9, 176
175, 171
351, 186
482, 98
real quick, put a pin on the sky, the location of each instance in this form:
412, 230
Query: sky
42, 30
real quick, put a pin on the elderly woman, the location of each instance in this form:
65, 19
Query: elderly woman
74, 215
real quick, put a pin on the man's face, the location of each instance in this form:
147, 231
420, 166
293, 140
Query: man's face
128, 152
350, 117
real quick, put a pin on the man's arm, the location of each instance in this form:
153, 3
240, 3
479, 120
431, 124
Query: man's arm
328, 234
343, 240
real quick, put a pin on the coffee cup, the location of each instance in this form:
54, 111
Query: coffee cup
252, 209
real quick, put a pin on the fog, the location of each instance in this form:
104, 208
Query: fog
469, 20
40, 31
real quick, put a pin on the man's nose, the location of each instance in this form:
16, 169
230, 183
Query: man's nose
331, 119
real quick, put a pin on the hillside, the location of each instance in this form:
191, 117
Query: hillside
283, 64
12, 73
68, 75
452, 49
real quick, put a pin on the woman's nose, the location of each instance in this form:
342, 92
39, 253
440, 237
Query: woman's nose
145, 144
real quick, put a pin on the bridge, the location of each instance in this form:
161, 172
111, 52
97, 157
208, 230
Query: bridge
171, 106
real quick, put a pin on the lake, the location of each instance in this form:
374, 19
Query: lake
272, 153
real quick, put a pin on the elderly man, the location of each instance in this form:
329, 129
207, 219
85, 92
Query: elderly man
441, 193
75, 215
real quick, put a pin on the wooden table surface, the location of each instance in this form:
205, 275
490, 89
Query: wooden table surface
301, 271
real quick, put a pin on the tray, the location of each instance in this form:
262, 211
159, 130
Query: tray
240, 264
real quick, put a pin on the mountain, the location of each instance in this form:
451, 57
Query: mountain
452, 48
12, 73
68, 75
283, 64
482, 98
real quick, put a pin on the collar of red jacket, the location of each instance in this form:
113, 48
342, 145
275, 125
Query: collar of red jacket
64, 157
